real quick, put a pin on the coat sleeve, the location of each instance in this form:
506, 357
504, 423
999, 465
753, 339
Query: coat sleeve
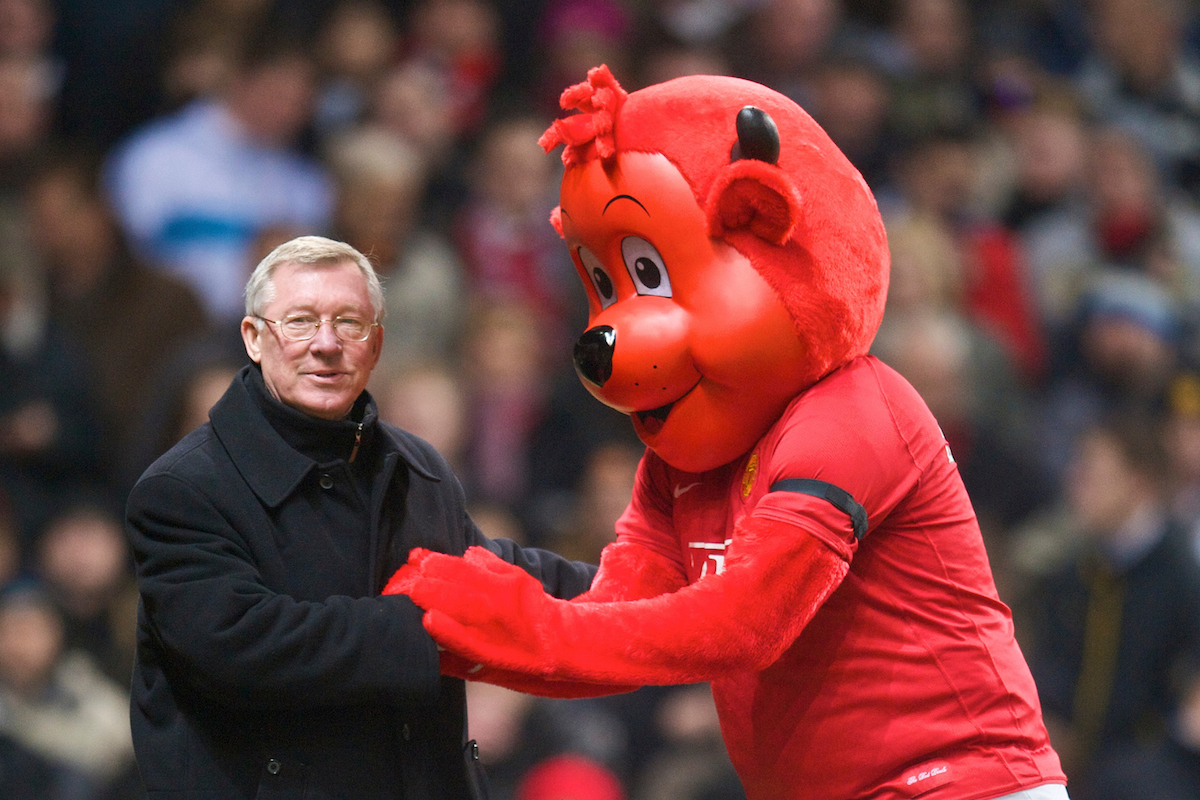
559, 577
217, 626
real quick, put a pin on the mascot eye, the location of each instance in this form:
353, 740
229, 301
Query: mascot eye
646, 267
605, 289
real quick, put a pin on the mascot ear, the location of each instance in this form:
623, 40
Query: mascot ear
752, 193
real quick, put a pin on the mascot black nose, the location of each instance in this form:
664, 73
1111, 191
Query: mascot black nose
594, 354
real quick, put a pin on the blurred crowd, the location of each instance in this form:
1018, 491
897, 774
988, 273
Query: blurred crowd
1037, 163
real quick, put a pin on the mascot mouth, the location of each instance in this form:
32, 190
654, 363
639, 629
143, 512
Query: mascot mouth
654, 419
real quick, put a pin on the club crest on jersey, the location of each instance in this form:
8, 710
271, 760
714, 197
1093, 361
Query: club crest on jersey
749, 476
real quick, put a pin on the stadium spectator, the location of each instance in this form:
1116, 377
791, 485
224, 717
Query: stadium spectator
1127, 219
27, 775
690, 762
428, 400
1123, 352
584, 521
26, 112
1106, 630
508, 251
84, 563
793, 39
518, 732
203, 42
931, 59
1143, 80
969, 386
571, 37
504, 367
356, 45
129, 319
1050, 152
56, 701
851, 101
935, 177
1170, 771
194, 189
50, 432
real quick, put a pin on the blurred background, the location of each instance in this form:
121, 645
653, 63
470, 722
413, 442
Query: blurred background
1038, 166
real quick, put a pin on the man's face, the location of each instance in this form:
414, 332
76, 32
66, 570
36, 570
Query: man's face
324, 375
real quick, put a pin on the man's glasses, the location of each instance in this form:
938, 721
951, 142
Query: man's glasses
303, 327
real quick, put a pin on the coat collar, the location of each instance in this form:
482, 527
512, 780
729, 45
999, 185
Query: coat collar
272, 467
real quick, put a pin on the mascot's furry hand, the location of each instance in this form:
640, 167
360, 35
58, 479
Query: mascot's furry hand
505, 601
627, 572
406, 579
488, 611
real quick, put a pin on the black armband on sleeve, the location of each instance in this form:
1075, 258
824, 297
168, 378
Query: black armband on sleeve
838, 497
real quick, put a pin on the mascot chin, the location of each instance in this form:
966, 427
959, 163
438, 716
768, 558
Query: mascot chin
798, 535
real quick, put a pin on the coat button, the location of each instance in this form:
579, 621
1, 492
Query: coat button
326, 482
405, 732
273, 767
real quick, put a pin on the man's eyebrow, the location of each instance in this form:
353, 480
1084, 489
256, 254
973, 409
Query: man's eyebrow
624, 197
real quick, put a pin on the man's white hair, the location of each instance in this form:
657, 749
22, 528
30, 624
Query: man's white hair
260, 289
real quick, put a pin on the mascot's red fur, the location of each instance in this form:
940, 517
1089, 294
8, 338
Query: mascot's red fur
798, 534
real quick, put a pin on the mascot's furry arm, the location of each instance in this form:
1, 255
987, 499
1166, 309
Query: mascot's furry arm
627, 571
777, 575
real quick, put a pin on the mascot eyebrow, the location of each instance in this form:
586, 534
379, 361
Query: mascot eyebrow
625, 197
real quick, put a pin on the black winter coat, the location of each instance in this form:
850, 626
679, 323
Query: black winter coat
268, 664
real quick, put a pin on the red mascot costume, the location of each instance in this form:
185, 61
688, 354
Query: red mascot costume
799, 535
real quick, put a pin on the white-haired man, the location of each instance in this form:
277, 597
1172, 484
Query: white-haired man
268, 664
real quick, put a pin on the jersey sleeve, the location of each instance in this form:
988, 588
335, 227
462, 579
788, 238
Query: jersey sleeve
868, 434
648, 519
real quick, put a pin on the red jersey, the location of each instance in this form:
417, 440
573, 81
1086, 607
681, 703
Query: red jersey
907, 682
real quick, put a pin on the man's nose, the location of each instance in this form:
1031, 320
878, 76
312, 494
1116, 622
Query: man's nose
325, 338
594, 354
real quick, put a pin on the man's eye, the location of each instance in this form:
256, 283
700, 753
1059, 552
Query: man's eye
299, 324
350, 326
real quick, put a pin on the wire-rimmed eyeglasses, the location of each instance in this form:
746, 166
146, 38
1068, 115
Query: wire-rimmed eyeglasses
302, 327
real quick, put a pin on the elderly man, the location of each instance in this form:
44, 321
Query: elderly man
268, 664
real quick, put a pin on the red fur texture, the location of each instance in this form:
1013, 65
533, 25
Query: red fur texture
776, 578
754, 196
629, 571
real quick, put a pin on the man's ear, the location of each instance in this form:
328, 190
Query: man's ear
376, 344
755, 196
252, 338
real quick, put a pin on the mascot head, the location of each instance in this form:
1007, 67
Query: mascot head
732, 257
